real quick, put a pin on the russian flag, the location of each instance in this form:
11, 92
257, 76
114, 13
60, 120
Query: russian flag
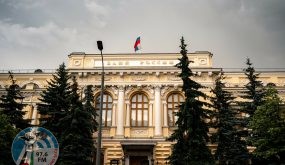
137, 45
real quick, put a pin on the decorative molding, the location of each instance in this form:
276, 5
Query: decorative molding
129, 90
167, 89
174, 78
27, 99
210, 73
243, 80
176, 86
121, 74
139, 132
157, 74
21, 84
203, 61
157, 88
199, 73
121, 87
137, 88
113, 90
139, 78
106, 78
77, 62
150, 89
164, 90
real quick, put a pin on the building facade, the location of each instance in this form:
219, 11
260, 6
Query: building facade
141, 94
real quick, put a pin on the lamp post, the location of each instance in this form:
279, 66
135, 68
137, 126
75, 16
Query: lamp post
98, 153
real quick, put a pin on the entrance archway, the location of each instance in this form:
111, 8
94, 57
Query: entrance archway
138, 152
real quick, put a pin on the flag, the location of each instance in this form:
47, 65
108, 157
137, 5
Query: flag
137, 45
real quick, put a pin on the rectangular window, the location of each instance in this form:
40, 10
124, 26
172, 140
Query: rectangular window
170, 118
133, 118
109, 118
107, 109
139, 110
103, 117
139, 118
145, 118
139, 98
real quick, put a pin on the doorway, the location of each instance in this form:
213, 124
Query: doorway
138, 152
139, 160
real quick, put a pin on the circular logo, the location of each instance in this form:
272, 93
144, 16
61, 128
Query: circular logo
35, 146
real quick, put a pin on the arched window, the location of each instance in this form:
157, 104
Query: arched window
173, 101
139, 110
106, 109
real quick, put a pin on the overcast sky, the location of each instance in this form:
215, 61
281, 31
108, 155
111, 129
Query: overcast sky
41, 33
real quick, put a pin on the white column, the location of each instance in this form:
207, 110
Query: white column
127, 160
165, 114
114, 114
34, 115
120, 114
157, 110
150, 113
128, 115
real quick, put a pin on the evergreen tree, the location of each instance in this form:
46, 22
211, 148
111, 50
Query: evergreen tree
253, 95
55, 101
268, 129
77, 143
191, 135
254, 90
11, 105
89, 107
7, 135
231, 149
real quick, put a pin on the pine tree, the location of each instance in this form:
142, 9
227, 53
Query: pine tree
55, 101
231, 149
7, 135
11, 105
268, 130
191, 133
253, 95
77, 143
89, 107
254, 90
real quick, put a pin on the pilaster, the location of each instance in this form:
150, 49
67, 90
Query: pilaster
35, 114
120, 114
157, 110
165, 120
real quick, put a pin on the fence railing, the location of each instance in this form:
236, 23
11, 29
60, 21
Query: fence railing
28, 71
256, 69
224, 69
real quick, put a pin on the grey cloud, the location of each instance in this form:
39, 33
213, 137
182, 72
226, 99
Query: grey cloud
231, 29
71, 13
269, 13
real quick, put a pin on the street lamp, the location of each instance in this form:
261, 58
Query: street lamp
98, 153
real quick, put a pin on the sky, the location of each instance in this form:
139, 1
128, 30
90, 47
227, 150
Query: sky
42, 33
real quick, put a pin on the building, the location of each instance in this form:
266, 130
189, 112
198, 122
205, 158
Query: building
141, 94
